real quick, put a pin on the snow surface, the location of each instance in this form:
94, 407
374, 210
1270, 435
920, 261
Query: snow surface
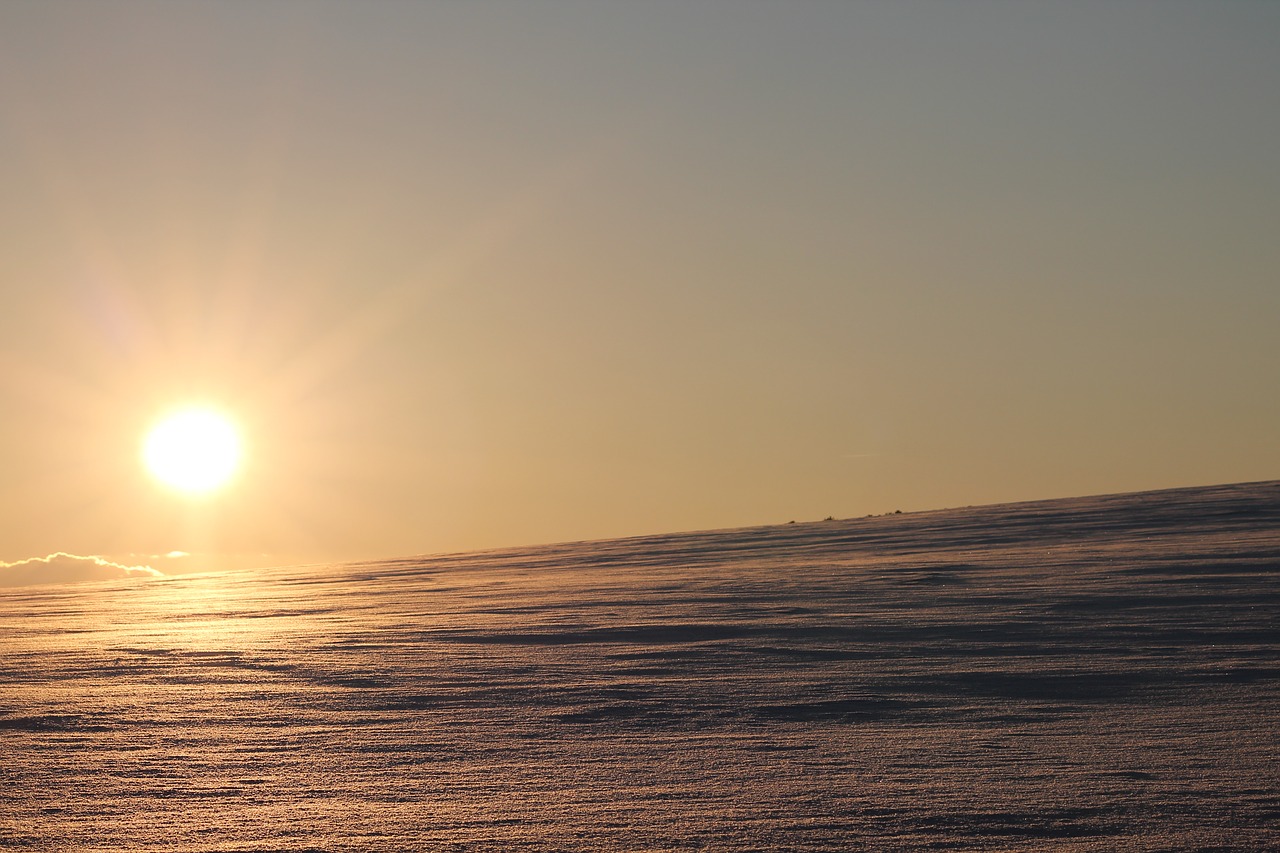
1086, 674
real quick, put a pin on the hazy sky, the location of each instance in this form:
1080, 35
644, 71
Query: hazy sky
472, 274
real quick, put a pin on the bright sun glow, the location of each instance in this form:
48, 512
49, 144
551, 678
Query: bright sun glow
195, 450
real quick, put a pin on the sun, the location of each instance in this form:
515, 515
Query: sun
193, 450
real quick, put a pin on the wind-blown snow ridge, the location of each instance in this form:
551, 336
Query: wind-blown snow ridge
1088, 674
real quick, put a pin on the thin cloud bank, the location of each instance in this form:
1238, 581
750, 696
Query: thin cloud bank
68, 568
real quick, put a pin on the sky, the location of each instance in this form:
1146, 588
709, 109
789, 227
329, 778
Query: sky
469, 275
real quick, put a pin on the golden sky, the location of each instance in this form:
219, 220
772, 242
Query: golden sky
480, 274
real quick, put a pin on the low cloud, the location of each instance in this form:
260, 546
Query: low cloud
68, 568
